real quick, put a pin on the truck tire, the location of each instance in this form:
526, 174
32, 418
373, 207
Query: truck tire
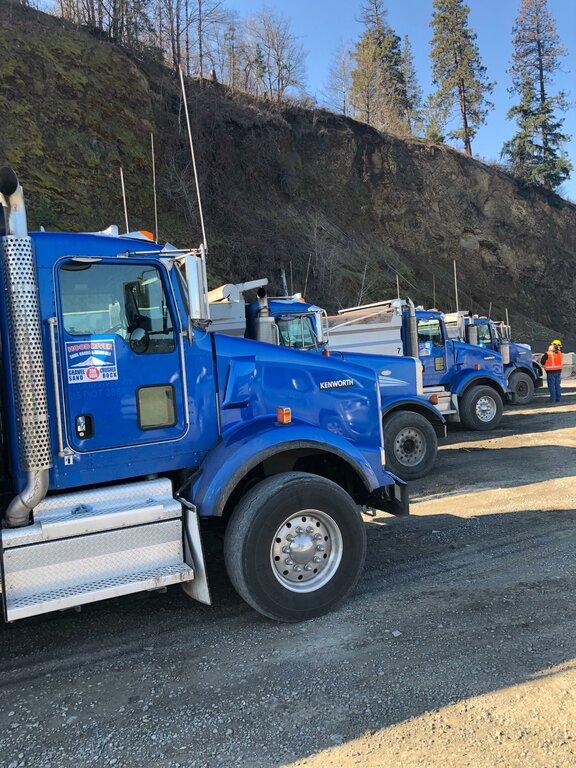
522, 387
295, 546
410, 444
481, 408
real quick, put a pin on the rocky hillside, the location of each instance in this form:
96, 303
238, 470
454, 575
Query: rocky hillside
340, 207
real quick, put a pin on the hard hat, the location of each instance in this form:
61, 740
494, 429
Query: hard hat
556, 342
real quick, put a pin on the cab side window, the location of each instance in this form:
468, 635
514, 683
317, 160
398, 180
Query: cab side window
116, 299
430, 331
484, 336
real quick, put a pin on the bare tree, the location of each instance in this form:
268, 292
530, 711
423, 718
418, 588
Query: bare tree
282, 55
340, 81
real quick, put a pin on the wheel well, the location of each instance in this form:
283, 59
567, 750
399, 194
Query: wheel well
482, 382
317, 462
429, 415
532, 373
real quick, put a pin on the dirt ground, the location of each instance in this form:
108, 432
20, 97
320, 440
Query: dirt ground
457, 649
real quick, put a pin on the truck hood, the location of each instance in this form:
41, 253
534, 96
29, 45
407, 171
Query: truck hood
254, 378
397, 376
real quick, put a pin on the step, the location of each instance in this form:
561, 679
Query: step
93, 545
100, 509
58, 599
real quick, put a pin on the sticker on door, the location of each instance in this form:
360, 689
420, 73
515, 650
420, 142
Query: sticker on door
90, 361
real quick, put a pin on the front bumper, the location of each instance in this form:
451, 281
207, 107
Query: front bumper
393, 499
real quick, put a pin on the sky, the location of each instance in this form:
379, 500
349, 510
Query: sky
323, 24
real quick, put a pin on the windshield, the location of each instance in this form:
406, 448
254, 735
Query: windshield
297, 331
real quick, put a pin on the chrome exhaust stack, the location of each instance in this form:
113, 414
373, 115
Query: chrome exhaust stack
26, 352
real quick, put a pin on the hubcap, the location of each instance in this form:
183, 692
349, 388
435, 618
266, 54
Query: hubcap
522, 389
409, 447
486, 408
306, 551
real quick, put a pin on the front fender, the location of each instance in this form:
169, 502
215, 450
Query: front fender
463, 380
418, 405
528, 369
240, 450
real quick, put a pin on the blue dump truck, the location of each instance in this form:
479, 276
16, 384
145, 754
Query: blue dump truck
126, 427
524, 375
466, 381
411, 424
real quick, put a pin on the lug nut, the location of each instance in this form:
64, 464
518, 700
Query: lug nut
289, 537
307, 567
309, 529
297, 568
286, 550
320, 548
289, 561
318, 537
317, 559
299, 529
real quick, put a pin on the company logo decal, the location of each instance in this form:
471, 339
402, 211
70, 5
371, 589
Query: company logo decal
88, 361
336, 383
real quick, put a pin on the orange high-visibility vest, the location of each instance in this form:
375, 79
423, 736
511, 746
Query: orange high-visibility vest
553, 361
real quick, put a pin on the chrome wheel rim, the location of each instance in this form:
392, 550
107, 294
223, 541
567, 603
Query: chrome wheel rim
306, 551
409, 447
486, 408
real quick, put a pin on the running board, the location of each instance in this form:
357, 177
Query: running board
92, 545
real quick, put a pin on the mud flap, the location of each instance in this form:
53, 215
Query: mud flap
393, 499
197, 589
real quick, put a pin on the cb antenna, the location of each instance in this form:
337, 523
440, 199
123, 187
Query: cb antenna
456, 286
154, 186
124, 199
191, 142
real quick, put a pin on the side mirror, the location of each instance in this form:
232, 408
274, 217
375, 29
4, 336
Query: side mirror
139, 341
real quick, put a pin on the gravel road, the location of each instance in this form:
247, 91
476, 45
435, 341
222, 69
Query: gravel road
457, 649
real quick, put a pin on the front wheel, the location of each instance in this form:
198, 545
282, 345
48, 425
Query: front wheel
522, 387
481, 408
295, 546
410, 444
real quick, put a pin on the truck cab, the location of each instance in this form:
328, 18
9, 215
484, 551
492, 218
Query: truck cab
523, 374
129, 427
465, 381
411, 424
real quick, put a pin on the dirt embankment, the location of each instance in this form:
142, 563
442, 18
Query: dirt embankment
339, 206
457, 650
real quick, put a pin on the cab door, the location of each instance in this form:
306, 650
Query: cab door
432, 351
119, 348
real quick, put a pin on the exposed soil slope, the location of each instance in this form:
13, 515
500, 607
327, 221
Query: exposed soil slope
318, 194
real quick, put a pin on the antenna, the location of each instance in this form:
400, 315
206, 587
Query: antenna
434, 291
397, 286
490, 311
154, 186
508, 321
124, 199
456, 285
190, 141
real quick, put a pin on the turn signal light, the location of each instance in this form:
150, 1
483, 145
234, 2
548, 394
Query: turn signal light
283, 415
433, 399
326, 352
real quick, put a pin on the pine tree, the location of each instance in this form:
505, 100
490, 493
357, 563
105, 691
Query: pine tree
535, 152
458, 72
378, 71
413, 90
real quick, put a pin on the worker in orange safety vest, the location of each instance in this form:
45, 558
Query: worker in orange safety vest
552, 362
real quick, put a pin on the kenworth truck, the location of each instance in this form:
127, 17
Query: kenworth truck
466, 381
523, 374
411, 423
125, 424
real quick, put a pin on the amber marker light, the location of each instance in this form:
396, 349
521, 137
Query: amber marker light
283, 415
433, 399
